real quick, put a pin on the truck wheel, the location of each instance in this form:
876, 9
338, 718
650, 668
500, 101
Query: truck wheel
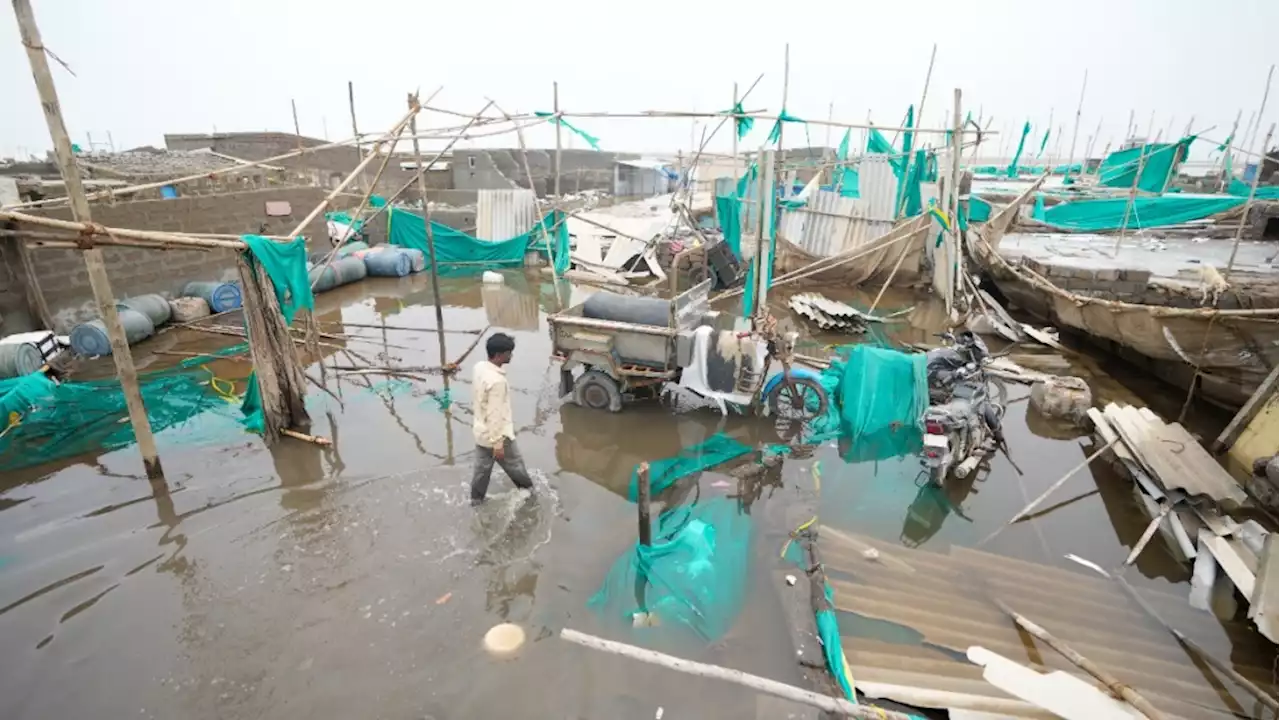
598, 391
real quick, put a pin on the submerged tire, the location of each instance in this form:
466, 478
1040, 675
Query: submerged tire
598, 391
797, 398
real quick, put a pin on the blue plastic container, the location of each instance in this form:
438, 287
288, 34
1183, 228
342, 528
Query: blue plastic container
388, 262
220, 296
90, 339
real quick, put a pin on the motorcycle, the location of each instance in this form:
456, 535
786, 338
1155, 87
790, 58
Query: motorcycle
962, 425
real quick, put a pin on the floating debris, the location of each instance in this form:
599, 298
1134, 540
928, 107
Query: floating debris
830, 314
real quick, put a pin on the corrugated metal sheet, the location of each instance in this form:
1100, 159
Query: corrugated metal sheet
946, 598
504, 214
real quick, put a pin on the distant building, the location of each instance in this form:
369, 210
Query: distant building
643, 178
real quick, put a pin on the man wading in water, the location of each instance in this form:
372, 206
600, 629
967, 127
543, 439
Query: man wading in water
495, 435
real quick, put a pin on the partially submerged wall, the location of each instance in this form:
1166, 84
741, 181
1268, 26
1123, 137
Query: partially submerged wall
134, 271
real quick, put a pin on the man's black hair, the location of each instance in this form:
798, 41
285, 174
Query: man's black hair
499, 343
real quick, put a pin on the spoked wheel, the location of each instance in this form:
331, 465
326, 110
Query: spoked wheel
797, 399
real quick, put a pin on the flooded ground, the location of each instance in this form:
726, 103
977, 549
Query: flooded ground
301, 582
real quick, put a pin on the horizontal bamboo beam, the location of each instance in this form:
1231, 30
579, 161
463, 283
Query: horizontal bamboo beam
99, 232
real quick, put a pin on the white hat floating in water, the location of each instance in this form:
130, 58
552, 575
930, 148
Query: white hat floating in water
504, 639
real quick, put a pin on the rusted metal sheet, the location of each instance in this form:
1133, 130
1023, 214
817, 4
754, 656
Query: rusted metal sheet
504, 214
946, 598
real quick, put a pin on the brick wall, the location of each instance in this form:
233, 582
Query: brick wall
134, 271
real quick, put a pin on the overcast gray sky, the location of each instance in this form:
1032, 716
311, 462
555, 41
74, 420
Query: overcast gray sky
146, 67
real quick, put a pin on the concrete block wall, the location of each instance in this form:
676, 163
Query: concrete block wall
135, 271
496, 169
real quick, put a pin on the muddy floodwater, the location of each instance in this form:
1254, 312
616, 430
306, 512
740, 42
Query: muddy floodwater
357, 581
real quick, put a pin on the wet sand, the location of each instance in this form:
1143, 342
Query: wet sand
300, 582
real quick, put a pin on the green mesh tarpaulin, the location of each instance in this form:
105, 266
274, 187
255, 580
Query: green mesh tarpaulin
832, 648
186, 404
693, 577
729, 210
881, 389
592, 140
1240, 188
747, 180
847, 177
909, 199
1159, 167
1037, 210
1146, 212
1012, 170
979, 209
1043, 142
286, 264
717, 449
775, 134
456, 248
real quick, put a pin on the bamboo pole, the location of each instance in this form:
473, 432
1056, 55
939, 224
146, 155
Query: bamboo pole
956, 238
1117, 688
735, 137
1248, 203
297, 131
642, 504
555, 108
98, 279
92, 232
901, 256
781, 159
431, 242
1219, 665
1075, 131
528, 173
35, 295
1262, 109
1133, 189
1148, 533
840, 706
928, 75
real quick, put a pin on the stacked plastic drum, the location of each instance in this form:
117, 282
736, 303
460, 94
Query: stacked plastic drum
91, 338
220, 296
388, 261
340, 272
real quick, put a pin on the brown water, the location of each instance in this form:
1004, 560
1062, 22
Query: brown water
299, 582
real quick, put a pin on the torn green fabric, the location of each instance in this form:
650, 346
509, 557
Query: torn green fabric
286, 264
592, 140
715, 450
456, 248
729, 210
1037, 211
783, 116
747, 180
1159, 163
741, 123
1012, 170
1043, 142
1240, 188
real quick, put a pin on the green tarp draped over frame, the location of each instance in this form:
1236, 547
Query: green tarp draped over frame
729, 210
1240, 188
1159, 167
775, 134
456, 248
286, 264
717, 449
592, 140
1012, 170
1146, 212
847, 178
742, 124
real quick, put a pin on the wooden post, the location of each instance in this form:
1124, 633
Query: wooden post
98, 279
1075, 131
426, 219
1244, 211
924, 94
524, 155
297, 130
1262, 109
355, 129
786, 84
956, 237
1231, 140
642, 503
555, 109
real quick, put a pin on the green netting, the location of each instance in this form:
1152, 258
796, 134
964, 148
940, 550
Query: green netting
1044, 141
881, 389
832, 648
729, 210
717, 449
693, 577
286, 264
747, 180
1159, 167
60, 420
592, 140
456, 248
1012, 169
1240, 188
1146, 211
979, 209
1037, 210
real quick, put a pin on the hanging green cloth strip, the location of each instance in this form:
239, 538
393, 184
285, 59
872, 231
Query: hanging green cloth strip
729, 210
748, 180
1240, 188
715, 450
1012, 170
1043, 142
741, 123
592, 140
286, 265
783, 116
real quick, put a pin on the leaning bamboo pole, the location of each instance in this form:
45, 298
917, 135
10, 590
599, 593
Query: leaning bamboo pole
1244, 212
94, 264
528, 174
1133, 190
431, 244
93, 233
